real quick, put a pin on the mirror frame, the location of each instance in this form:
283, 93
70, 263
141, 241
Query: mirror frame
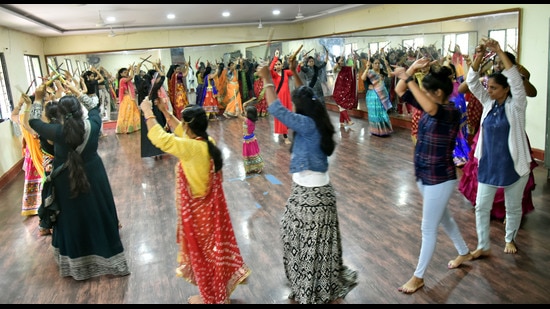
224, 52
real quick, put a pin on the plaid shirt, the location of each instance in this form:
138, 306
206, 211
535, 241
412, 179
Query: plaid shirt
433, 153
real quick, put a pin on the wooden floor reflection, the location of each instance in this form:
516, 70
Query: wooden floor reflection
379, 209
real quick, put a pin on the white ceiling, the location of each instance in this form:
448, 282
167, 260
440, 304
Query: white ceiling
47, 20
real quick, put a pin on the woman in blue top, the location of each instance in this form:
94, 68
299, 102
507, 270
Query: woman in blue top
435, 170
312, 247
502, 147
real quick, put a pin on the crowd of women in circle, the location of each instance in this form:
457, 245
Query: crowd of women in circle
172, 121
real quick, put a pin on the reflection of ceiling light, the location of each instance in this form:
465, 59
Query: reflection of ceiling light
260, 26
170, 16
276, 12
226, 14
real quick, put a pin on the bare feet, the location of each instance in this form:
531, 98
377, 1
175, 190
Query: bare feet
510, 247
459, 260
287, 141
480, 253
195, 299
412, 285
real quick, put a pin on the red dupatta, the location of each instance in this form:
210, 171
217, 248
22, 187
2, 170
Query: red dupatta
208, 256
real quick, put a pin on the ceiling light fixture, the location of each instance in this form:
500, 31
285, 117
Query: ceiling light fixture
226, 14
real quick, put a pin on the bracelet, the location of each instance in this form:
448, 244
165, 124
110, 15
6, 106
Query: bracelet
26, 110
269, 85
409, 79
149, 117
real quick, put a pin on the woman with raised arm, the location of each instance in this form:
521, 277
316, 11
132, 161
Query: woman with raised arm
86, 241
128, 120
310, 233
435, 171
208, 253
502, 148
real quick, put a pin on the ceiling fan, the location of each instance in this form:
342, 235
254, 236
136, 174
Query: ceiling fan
100, 21
112, 33
299, 15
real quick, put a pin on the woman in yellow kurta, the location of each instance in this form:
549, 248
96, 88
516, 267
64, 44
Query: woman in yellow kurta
208, 254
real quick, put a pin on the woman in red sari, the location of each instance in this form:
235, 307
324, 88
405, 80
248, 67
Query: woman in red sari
280, 79
176, 88
208, 254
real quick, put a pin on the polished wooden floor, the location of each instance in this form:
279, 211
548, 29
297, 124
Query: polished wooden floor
379, 210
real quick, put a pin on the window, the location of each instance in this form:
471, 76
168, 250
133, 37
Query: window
350, 48
78, 71
413, 44
451, 40
34, 72
69, 66
507, 38
375, 47
5, 94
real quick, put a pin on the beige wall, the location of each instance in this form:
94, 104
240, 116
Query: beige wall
534, 42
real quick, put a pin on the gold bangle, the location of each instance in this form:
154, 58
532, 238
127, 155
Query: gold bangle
149, 117
269, 85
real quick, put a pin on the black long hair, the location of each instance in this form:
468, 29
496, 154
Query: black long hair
195, 117
69, 112
307, 104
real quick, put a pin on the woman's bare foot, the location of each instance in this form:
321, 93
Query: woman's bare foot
480, 253
510, 247
195, 299
459, 260
412, 285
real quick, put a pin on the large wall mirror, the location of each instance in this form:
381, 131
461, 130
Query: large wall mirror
439, 35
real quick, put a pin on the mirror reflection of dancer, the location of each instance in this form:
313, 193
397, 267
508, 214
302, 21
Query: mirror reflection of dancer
345, 90
377, 98
128, 120
280, 80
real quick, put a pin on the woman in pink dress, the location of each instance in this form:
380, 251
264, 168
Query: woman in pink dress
252, 159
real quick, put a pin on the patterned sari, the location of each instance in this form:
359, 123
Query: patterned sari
178, 94
34, 172
208, 254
